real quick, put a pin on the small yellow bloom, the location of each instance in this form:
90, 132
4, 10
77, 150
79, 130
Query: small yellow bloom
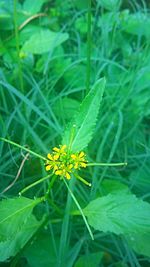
73, 156
70, 166
59, 172
60, 150
49, 156
76, 166
82, 154
67, 176
48, 167
62, 162
64, 173
56, 156
79, 160
83, 164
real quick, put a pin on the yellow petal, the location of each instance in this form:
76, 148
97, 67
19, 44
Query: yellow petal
73, 156
83, 164
70, 166
56, 149
63, 147
81, 154
76, 166
59, 172
48, 167
55, 167
56, 156
49, 156
68, 176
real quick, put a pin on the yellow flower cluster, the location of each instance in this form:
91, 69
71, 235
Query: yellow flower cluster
63, 162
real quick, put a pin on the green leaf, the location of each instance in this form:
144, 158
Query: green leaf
113, 186
140, 243
119, 213
66, 107
139, 179
136, 24
17, 225
14, 214
89, 260
110, 4
11, 246
44, 41
41, 252
79, 131
32, 7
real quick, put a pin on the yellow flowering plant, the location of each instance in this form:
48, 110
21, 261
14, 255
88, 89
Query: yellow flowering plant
69, 158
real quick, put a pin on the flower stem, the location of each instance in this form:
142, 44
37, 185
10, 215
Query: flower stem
33, 184
88, 71
82, 180
23, 148
107, 164
77, 204
51, 185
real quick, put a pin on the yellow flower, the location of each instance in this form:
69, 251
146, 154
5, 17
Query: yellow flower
65, 171
79, 160
63, 163
51, 162
48, 167
60, 151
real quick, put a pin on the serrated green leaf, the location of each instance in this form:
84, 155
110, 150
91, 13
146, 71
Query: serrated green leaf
14, 214
120, 214
12, 245
82, 126
44, 41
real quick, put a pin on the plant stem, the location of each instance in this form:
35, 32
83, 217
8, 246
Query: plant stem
23, 148
33, 184
77, 204
17, 47
51, 185
82, 180
88, 71
107, 164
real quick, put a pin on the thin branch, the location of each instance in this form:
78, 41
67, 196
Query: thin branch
18, 174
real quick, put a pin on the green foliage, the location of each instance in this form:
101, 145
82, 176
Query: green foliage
110, 4
89, 260
68, 106
41, 252
43, 41
120, 213
137, 24
140, 242
81, 128
113, 186
17, 225
34, 6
